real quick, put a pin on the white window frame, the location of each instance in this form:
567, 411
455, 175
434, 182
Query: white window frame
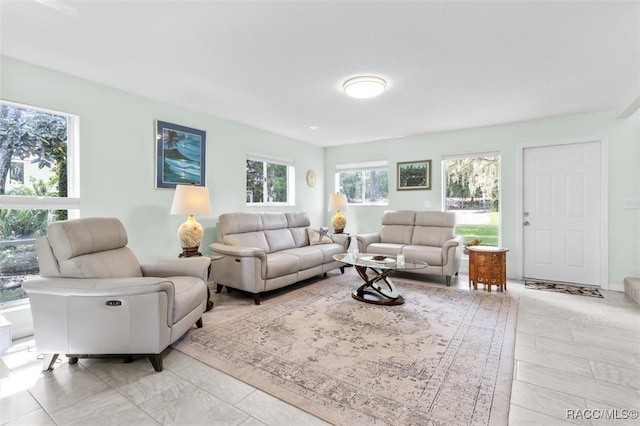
71, 202
291, 173
474, 154
382, 165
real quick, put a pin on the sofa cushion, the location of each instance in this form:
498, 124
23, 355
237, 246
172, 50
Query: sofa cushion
319, 236
329, 250
429, 254
248, 239
279, 239
308, 256
281, 263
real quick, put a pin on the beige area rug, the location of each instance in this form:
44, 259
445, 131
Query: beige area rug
444, 357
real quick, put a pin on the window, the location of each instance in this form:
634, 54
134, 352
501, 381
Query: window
270, 181
38, 185
364, 183
472, 191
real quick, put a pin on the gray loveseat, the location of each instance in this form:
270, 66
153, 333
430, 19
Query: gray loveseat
266, 251
428, 236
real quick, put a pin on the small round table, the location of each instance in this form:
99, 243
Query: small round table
488, 265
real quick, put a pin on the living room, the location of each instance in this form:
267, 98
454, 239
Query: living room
117, 145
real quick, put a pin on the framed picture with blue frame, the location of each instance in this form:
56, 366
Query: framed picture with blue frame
180, 155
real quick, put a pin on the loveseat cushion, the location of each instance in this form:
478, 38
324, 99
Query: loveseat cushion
385, 248
431, 255
433, 228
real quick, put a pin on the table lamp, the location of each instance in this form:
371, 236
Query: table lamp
190, 200
338, 203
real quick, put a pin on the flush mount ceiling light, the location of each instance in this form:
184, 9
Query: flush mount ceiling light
364, 87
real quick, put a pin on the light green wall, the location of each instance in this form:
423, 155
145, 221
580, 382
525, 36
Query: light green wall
623, 140
117, 151
117, 163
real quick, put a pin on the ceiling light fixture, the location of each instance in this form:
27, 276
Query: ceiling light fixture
364, 87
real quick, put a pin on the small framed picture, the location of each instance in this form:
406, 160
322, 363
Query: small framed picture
180, 155
414, 175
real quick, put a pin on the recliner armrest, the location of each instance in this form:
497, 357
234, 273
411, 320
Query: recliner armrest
98, 286
171, 267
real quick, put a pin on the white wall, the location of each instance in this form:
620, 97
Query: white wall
117, 151
117, 154
624, 144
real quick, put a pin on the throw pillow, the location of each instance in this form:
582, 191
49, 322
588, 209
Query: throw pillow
321, 236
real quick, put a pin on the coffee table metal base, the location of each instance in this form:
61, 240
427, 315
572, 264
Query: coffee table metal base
372, 292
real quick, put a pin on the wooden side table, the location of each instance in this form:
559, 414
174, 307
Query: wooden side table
488, 265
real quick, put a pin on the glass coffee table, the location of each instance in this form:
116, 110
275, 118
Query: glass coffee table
382, 266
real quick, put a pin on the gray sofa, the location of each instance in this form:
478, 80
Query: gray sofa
267, 251
428, 236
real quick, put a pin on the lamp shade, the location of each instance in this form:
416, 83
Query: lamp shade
191, 200
337, 202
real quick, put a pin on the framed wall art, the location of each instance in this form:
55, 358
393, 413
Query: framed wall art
180, 155
414, 175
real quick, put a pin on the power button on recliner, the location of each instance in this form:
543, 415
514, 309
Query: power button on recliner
114, 303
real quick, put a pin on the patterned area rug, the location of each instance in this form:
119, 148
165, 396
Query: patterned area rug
564, 288
444, 357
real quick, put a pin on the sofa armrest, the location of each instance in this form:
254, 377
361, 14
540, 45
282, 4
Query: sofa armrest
227, 250
341, 239
171, 267
365, 239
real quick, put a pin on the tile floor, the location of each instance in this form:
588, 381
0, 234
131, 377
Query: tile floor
576, 358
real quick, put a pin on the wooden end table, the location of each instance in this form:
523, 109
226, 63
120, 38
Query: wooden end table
488, 265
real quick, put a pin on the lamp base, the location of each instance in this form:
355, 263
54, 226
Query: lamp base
338, 222
190, 252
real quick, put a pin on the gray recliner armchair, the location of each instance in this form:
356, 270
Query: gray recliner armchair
94, 298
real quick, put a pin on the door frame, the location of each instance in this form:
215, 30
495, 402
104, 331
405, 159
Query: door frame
604, 196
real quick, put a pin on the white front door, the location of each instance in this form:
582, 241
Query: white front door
562, 213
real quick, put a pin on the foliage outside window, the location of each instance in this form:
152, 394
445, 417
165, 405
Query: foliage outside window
472, 191
364, 183
34, 188
269, 182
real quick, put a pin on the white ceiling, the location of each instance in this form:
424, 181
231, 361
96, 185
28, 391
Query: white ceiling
279, 66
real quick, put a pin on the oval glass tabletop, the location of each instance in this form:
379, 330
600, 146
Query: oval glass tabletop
379, 261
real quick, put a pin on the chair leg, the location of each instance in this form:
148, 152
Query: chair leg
256, 298
218, 288
156, 361
72, 360
448, 278
342, 269
48, 361
199, 323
